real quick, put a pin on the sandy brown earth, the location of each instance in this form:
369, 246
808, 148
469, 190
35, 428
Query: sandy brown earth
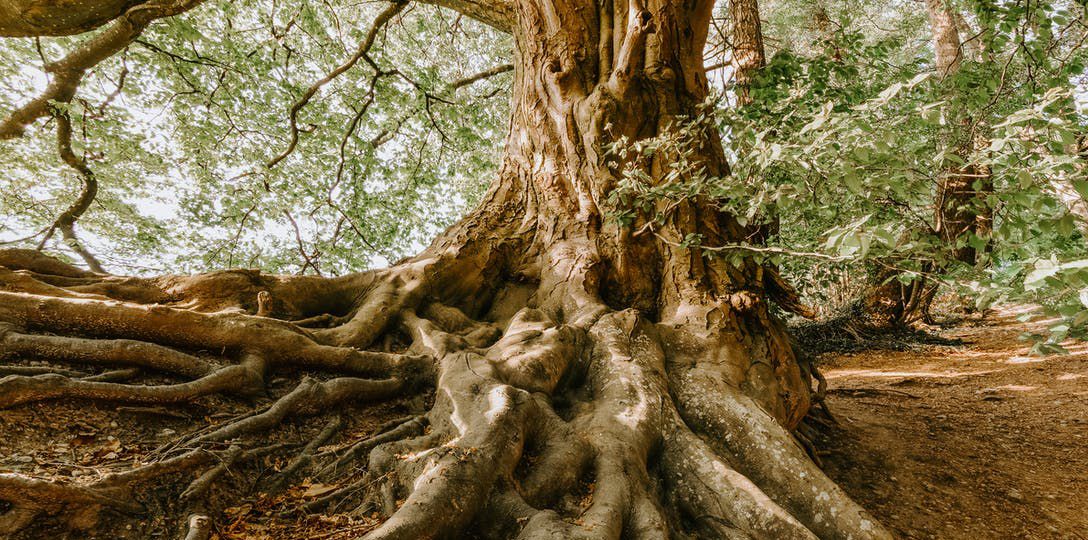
979, 441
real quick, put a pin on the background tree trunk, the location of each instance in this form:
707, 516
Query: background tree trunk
960, 207
961, 190
748, 53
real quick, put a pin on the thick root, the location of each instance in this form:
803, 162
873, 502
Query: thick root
309, 397
19, 389
489, 421
714, 495
226, 333
766, 452
553, 416
100, 352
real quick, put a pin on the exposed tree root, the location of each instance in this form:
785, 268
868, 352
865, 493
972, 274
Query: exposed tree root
19, 389
719, 500
607, 425
305, 457
411, 427
308, 398
200, 527
588, 382
234, 455
101, 352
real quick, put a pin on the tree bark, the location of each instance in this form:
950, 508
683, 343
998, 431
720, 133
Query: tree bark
28, 18
748, 52
946, 37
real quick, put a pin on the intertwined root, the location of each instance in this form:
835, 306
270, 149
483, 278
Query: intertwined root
598, 428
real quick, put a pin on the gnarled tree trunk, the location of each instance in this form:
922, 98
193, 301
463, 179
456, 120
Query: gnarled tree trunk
589, 382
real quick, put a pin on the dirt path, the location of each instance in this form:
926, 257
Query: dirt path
980, 441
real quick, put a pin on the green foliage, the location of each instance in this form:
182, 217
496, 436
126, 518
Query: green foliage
180, 151
837, 160
846, 140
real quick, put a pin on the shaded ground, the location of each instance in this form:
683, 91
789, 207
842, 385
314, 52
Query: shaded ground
82, 441
980, 441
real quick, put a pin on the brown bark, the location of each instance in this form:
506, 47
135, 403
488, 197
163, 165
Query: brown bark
589, 382
66, 221
946, 37
21, 18
748, 52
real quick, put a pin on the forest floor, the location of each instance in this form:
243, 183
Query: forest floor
980, 440
976, 441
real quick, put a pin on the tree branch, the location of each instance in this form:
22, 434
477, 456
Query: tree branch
66, 221
364, 48
32, 18
68, 72
459, 83
498, 14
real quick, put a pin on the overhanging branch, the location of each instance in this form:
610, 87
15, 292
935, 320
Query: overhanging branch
481, 76
32, 18
364, 48
498, 14
68, 72
66, 221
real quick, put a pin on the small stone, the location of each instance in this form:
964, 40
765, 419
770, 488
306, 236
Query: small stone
113, 424
1015, 495
167, 432
24, 459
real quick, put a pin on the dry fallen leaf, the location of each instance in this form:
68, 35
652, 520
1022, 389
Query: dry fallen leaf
317, 490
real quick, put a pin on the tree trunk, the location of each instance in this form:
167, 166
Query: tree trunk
589, 382
748, 53
960, 207
961, 190
749, 57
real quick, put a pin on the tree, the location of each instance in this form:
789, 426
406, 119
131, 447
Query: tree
748, 53
960, 209
570, 355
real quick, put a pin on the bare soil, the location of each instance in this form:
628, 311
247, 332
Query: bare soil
80, 441
977, 441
